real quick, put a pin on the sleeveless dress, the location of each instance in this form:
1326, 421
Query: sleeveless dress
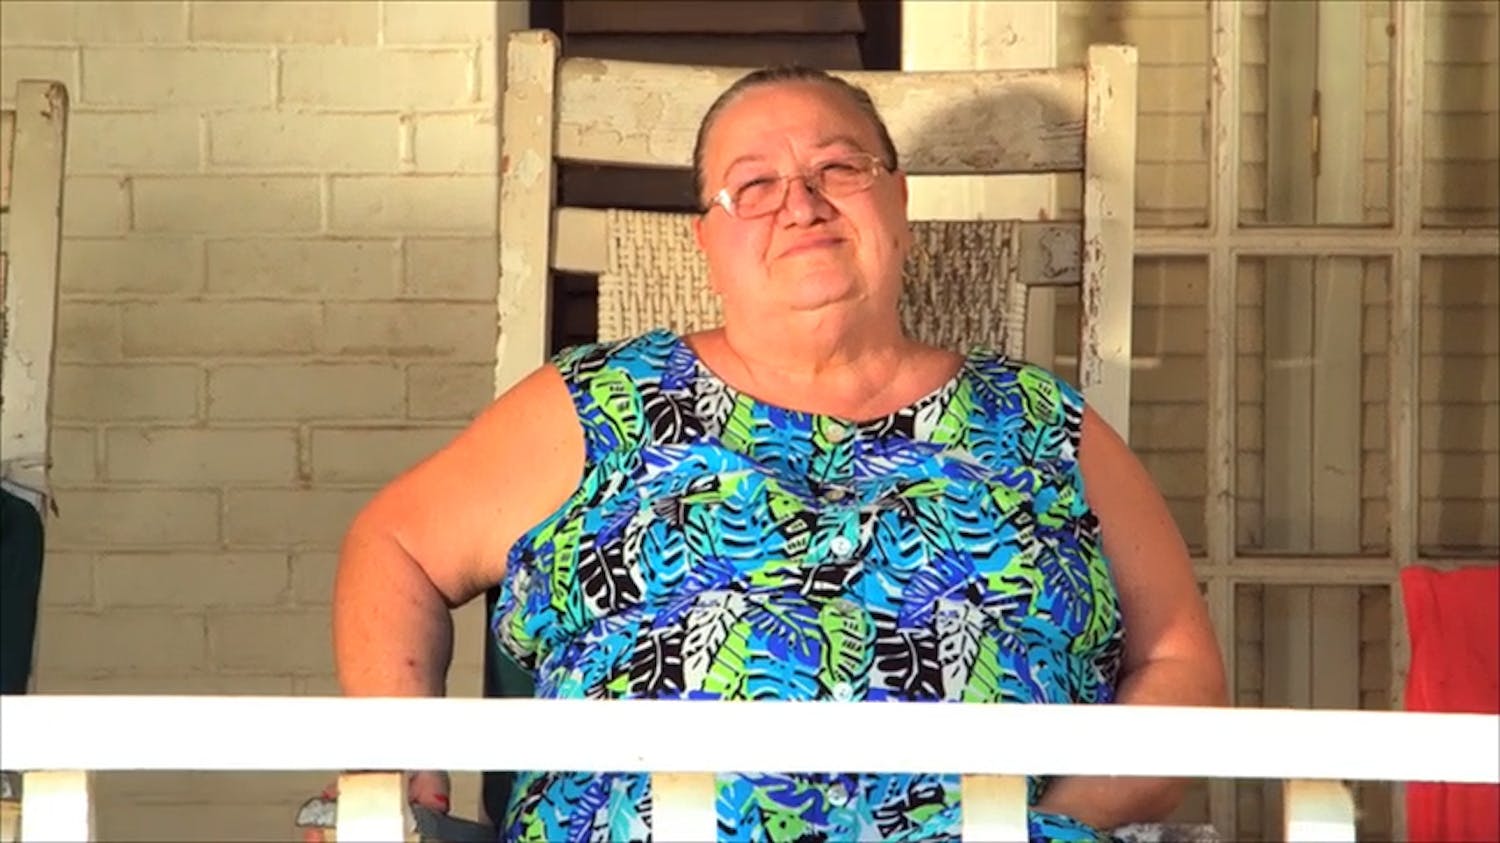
718, 547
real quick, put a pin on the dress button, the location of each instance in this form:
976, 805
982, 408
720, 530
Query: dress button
841, 547
838, 795
843, 691
835, 433
834, 495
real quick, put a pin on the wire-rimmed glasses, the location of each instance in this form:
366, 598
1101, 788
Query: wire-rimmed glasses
766, 194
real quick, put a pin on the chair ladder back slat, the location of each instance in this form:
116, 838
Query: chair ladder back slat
995, 121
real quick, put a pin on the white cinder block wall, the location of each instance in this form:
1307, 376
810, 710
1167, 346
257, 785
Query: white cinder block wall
278, 291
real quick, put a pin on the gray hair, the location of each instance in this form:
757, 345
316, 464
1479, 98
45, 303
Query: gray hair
791, 73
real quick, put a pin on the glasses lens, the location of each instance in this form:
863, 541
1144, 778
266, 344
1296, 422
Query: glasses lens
758, 196
843, 176
836, 177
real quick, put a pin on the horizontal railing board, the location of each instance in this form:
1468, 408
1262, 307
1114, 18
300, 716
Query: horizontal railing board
1049, 251
1001, 121
321, 733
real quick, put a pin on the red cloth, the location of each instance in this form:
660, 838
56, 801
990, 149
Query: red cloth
1453, 619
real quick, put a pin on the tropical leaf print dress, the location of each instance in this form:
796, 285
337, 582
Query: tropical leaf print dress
718, 547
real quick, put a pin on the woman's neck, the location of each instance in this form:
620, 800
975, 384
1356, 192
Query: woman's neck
864, 373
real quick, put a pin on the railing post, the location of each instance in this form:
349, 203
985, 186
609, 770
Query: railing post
683, 808
372, 808
57, 805
1321, 811
993, 809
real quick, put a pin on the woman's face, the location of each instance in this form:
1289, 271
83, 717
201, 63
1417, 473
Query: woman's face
815, 252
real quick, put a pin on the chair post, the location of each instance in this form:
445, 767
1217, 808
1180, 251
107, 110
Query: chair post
993, 809
372, 807
57, 805
1108, 233
1320, 811
683, 808
527, 174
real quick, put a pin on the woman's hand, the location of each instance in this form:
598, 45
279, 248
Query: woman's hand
430, 788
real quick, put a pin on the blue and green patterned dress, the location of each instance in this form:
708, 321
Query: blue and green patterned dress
718, 547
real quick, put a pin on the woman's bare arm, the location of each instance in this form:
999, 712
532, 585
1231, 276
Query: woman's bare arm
438, 536
1171, 657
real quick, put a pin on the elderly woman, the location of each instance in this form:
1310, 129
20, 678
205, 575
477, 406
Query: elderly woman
804, 503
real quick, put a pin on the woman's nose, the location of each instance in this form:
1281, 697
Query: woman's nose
803, 202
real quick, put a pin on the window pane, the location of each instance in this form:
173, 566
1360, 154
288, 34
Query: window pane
1309, 373
1168, 380
1171, 152
1459, 424
1461, 125
1311, 647
1315, 123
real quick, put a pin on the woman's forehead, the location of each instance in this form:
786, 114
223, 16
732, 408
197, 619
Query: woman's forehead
822, 114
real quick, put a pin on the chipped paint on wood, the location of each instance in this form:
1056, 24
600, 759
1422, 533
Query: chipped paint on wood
1109, 234
526, 182
1002, 121
33, 244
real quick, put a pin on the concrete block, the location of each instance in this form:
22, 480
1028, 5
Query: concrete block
306, 392
318, 269
132, 143
449, 391
139, 21
312, 577
220, 329
333, 143
136, 821
189, 76
95, 205
135, 517
74, 456
190, 580
411, 204
52, 22
301, 518
120, 642
17, 63
411, 329
366, 78
295, 642
199, 456
120, 393
156, 266
466, 143
88, 333
36, 22
228, 204
438, 22
184, 681
235, 22
372, 455
67, 581
466, 268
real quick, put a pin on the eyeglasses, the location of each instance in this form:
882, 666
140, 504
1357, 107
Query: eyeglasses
763, 195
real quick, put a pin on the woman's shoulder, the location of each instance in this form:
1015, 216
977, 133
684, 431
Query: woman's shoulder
636, 356
1042, 391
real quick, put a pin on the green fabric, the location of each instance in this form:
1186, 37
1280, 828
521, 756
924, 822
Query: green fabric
20, 583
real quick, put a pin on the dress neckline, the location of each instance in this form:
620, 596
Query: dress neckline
941, 393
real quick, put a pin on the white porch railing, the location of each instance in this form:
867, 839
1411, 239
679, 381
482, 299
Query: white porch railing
58, 740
